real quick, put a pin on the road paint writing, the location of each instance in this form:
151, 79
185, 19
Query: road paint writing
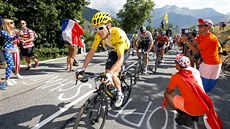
56, 83
141, 120
60, 97
63, 85
151, 114
36, 79
119, 112
125, 117
50, 118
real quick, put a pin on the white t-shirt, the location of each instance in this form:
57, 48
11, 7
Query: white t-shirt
146, 36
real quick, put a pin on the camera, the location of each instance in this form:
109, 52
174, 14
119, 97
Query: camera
186, 32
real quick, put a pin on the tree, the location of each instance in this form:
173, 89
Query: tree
134, 14
44, 17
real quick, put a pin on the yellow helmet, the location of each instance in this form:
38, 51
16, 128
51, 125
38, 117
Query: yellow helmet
101, 18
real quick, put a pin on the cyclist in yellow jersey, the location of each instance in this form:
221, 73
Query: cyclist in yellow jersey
117, 40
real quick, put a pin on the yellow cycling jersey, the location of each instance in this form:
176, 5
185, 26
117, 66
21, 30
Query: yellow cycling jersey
119, 41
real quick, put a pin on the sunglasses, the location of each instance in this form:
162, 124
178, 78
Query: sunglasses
202, 25
101, 27
11, 22
22, 23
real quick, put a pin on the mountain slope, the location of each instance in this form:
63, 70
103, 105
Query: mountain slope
182, 17
185, 17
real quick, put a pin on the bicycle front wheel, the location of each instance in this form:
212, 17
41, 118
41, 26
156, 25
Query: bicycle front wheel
92, 114
126, 85
156, 64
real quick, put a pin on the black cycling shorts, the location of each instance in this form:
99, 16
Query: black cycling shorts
159, 46
113, 58
144, 45
28, 52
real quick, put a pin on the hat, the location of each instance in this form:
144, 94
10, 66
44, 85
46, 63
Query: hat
182, 60
207, 22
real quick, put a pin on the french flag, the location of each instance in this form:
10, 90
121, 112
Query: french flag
71, 32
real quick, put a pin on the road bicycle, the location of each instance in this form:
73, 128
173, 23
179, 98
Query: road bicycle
157, 60
94, 111
141, 62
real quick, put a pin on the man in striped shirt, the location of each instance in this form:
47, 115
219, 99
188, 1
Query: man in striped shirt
27, 39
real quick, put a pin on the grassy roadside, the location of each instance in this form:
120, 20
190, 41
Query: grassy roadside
223, 35
224, 39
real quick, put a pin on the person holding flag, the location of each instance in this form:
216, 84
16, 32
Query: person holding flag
71, 33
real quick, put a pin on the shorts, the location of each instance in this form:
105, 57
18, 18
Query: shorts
159, 46
113, 58
144, 45
72, 51
178, 102
28, 52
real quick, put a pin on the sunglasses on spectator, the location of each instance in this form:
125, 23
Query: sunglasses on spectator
22, 23
11, 22
101, 27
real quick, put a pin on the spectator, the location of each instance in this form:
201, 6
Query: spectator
194, 57
193, 101
72, 50
9, 36
27, 44
68, 34
222, 25
16, 57
208, 48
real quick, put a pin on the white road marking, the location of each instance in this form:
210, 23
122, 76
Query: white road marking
120, 109
39, 125
151, 114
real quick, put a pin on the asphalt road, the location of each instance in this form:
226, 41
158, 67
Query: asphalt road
47, 98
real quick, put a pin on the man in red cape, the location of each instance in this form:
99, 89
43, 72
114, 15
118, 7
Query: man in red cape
193, 100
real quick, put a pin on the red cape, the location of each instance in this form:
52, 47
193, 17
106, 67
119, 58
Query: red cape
213, 120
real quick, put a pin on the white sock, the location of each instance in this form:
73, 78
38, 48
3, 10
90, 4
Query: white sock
119, 93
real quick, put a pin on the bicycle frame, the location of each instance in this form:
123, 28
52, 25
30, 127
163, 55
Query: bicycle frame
142, 61
158, 57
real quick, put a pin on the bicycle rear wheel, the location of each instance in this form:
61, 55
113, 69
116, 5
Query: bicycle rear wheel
126, 85
92, 114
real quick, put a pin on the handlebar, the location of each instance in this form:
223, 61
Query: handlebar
90, 75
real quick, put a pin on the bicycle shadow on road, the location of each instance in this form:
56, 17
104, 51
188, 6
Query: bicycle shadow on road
25, 118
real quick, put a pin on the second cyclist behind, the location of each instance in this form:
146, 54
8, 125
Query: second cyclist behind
114, 38
144, 41
161, 42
